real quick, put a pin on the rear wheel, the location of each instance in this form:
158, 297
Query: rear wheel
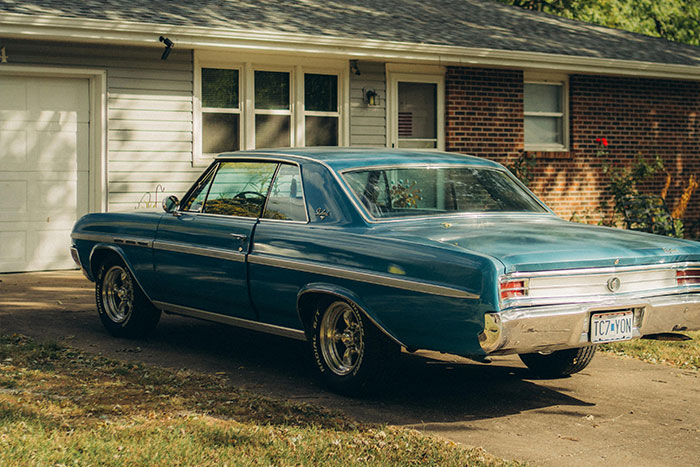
348, 350
123, 307
559, 363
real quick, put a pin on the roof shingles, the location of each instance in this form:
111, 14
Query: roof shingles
462, 23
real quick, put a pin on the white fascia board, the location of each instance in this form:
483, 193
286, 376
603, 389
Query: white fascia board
205, 38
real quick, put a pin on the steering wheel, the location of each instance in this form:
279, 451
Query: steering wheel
244, 195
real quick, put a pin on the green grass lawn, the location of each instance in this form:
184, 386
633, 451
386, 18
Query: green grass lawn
685, 354
59, 406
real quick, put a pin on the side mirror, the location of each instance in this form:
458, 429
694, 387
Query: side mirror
170, 203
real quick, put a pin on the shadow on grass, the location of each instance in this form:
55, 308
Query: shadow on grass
421, 389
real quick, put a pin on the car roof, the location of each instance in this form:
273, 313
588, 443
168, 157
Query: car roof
344, 158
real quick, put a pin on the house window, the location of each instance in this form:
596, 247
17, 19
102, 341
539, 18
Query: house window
546, 125
272, 109
221, 112
251, 105
321, 109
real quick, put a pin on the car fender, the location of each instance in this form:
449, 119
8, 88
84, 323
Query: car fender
345, 294
106, 247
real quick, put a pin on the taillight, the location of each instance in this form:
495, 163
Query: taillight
688, 277
513, 289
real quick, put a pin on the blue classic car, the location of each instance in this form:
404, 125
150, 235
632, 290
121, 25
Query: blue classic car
363, 252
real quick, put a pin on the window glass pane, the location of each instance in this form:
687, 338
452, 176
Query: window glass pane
286, 201
417, 110
220, 132
543, 130
271, 90
240, 188
542, 98
321, 92
272, 131
196, 199
321, 131
417, 144
396, 192
219, 88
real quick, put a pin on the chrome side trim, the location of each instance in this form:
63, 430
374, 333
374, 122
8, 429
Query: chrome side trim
361, 276
92, 237
211, 252
129, 240
239, 322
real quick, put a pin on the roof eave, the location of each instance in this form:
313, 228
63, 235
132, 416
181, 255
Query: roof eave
206, 38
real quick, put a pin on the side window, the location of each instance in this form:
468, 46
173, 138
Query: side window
286, 201
195, 202
240, 188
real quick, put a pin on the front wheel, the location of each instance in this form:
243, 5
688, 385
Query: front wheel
123, 307
348, 350
559, 363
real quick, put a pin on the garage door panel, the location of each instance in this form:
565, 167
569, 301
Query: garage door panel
13, 198
13, 155
13, 246
44, 169
13, 94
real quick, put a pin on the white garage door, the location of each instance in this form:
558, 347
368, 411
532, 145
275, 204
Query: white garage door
44, 158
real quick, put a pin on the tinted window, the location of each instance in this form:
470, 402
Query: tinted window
286, 201
395, 192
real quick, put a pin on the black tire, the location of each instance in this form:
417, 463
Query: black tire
340, 327
559, 363
123, 307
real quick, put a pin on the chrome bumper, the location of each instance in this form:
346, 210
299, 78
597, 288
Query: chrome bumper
548, 328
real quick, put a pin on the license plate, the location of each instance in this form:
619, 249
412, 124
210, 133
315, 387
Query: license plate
611, 327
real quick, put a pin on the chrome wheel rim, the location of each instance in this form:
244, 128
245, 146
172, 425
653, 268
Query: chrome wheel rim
118, 294
342, 338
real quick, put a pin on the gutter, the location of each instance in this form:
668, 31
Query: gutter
94, 31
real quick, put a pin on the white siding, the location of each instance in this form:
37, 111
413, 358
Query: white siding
368, 124
149, 113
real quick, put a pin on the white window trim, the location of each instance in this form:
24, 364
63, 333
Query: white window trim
247, 65
415, 74
550, 79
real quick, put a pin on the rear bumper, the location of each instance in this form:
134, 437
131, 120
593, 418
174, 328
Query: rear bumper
556, 327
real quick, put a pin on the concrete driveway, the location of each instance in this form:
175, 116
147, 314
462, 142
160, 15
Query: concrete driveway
616, 412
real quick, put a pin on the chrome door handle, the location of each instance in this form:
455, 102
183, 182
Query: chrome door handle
240, 237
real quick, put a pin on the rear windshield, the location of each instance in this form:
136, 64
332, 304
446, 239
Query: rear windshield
425, 191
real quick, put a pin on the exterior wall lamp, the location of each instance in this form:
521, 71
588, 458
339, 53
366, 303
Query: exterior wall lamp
371, 97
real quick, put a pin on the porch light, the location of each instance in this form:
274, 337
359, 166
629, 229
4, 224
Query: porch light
371, 97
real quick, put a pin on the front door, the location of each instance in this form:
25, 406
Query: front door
200, 250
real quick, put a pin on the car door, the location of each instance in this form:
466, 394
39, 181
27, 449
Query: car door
200, 250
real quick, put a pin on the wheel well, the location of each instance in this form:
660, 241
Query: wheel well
99, 256
308, 303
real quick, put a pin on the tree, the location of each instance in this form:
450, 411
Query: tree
675, 20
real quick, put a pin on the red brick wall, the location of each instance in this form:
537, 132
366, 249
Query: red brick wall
485, 114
